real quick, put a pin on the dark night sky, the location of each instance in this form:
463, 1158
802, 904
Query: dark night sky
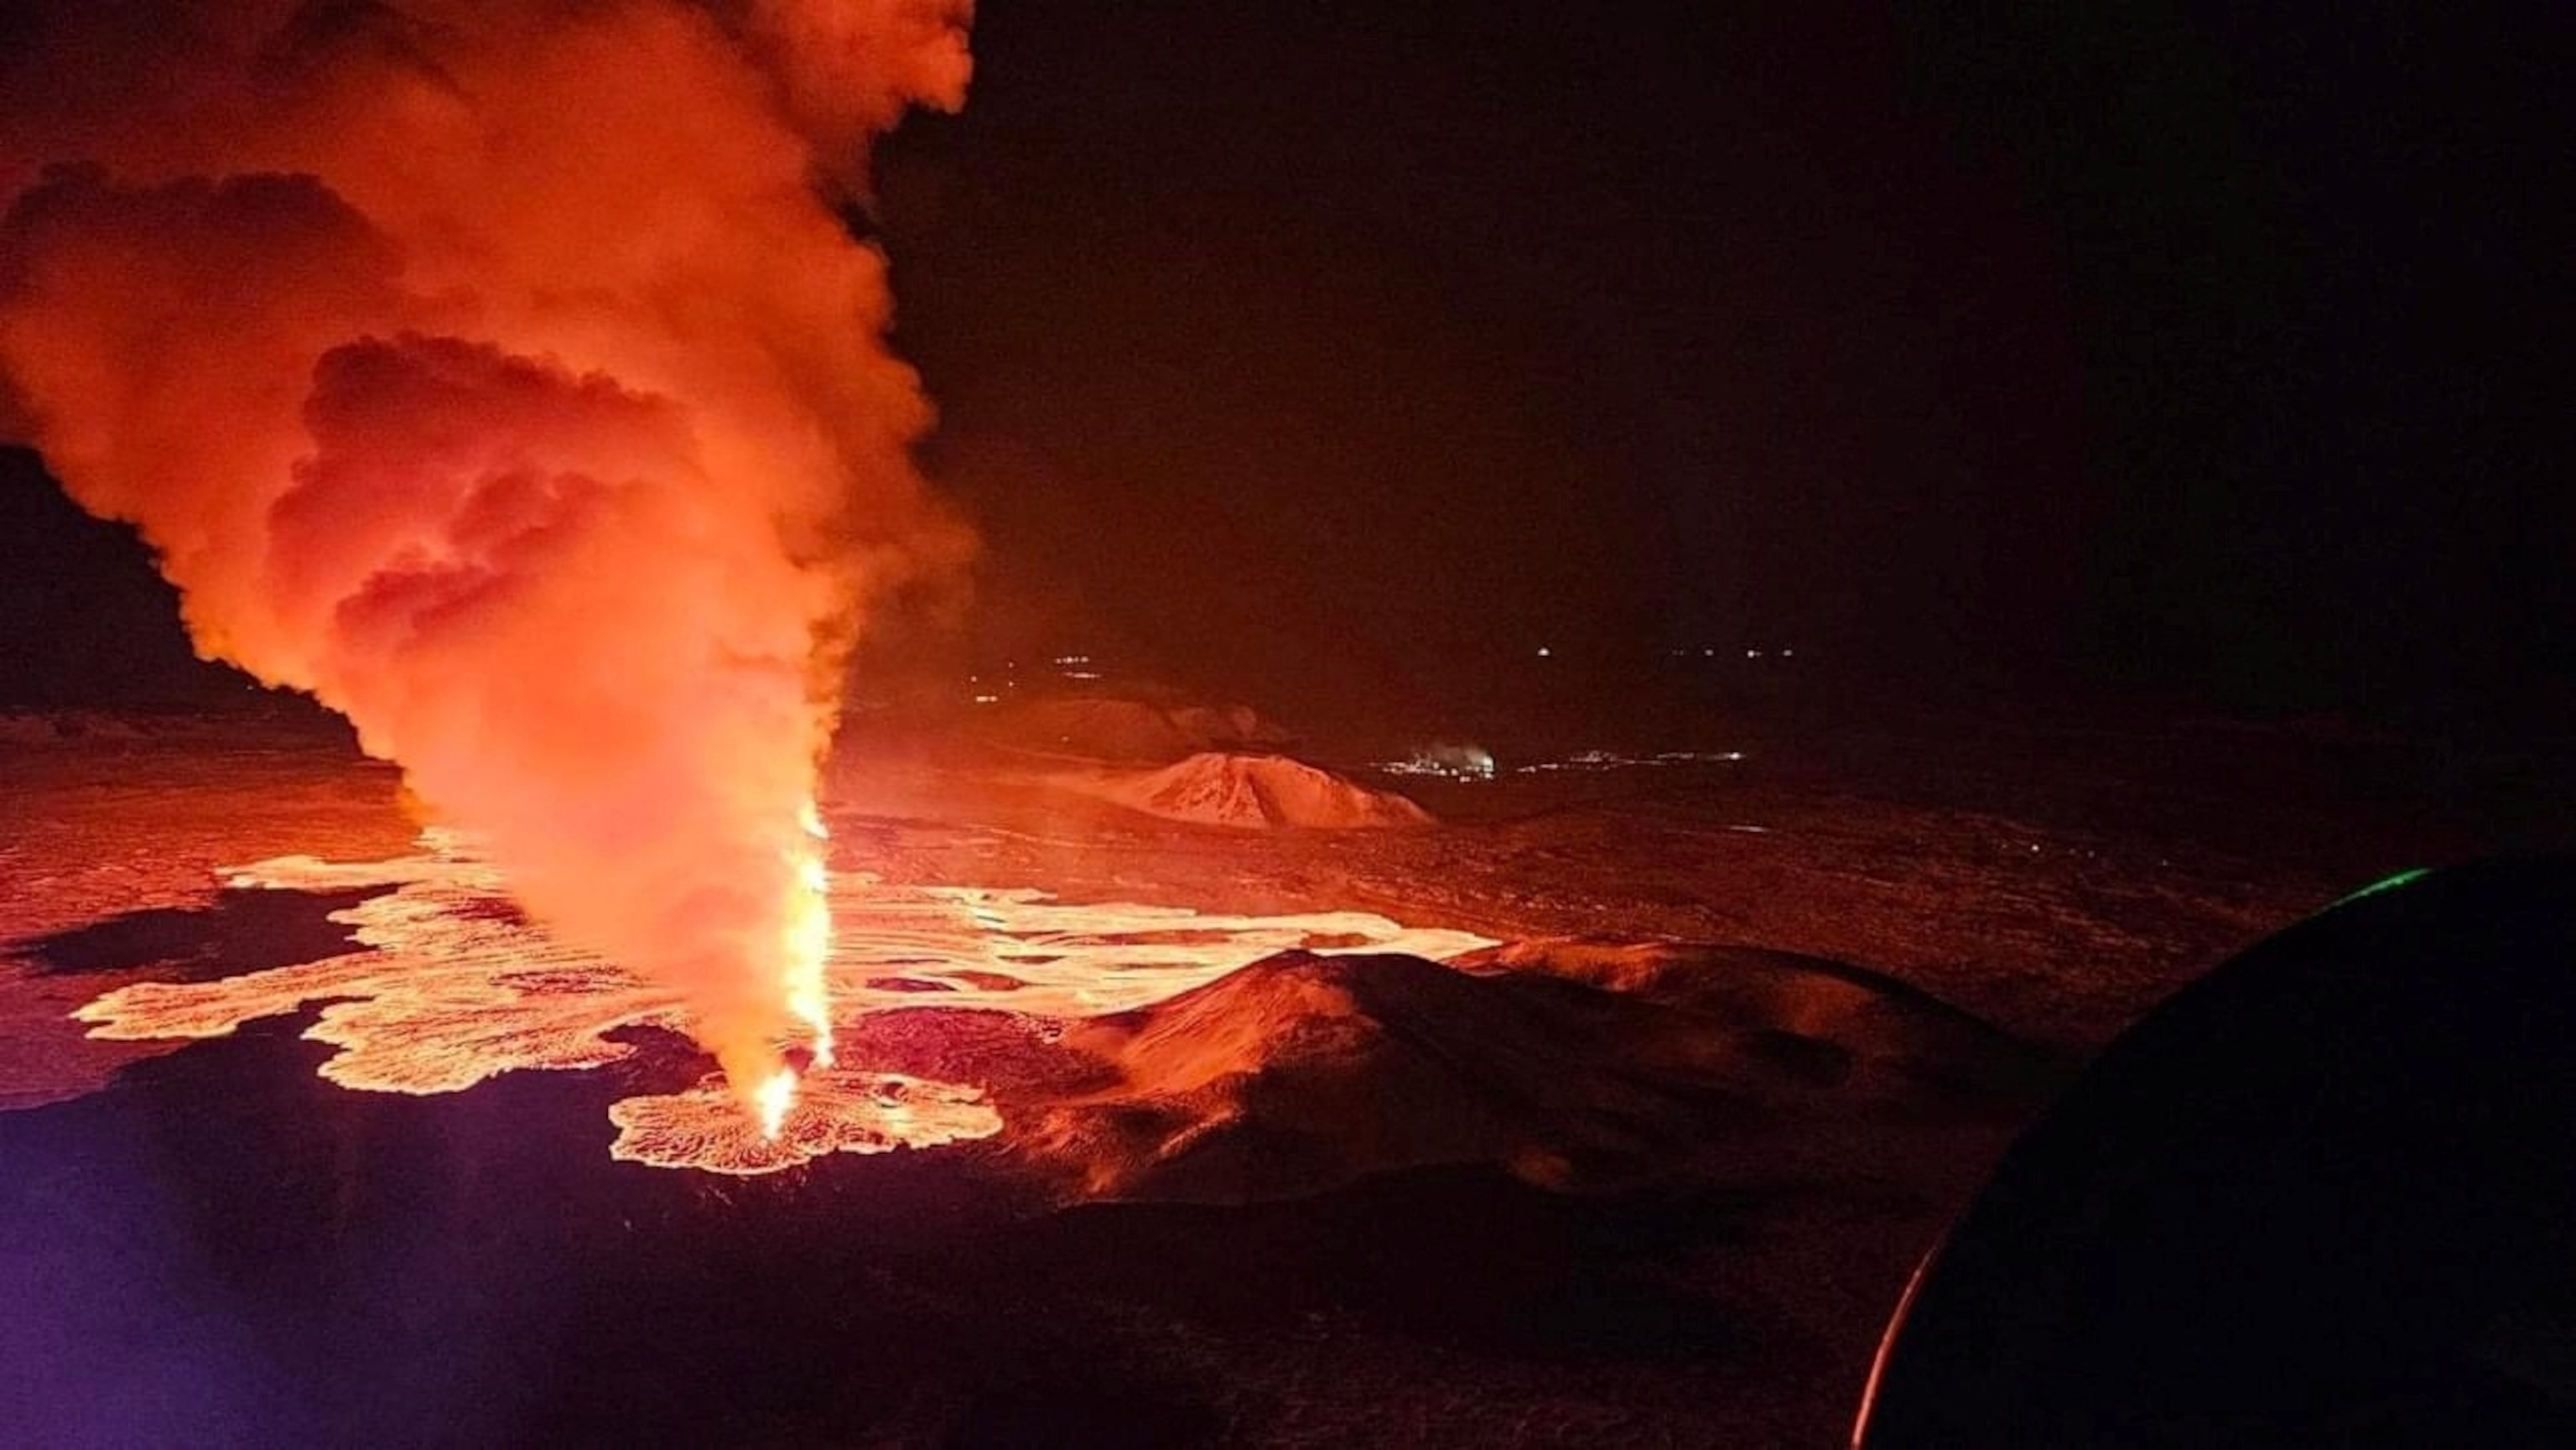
1439, 336
1369, 344
2154, 344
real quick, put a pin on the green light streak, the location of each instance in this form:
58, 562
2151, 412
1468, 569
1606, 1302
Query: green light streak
2407, 877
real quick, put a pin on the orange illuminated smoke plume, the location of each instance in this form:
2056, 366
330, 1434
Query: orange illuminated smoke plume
500, 372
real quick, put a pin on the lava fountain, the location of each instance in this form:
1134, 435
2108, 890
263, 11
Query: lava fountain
502, 373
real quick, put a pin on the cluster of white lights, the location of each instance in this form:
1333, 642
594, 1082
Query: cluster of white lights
1478, 766
1597, 760
1449, 762
1071, 667
1442, 769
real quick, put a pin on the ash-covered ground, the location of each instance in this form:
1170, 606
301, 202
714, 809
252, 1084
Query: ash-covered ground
1655, 1180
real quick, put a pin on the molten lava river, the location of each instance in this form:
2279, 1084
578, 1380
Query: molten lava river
450, 986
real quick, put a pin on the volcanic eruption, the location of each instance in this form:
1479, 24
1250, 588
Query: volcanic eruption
503, 374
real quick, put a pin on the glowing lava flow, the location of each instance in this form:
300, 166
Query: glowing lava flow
450, 986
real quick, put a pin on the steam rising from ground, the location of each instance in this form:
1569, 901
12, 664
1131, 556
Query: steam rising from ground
500, 372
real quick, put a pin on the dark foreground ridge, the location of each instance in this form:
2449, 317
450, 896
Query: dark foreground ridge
223, 1249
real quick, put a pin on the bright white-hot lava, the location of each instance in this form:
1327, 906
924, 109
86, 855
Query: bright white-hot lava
805, 955
809, 936
775, 1095
448, 987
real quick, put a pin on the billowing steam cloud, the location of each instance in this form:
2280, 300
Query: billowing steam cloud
500, 372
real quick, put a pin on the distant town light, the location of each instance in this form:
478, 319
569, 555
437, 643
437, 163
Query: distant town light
1595, 761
